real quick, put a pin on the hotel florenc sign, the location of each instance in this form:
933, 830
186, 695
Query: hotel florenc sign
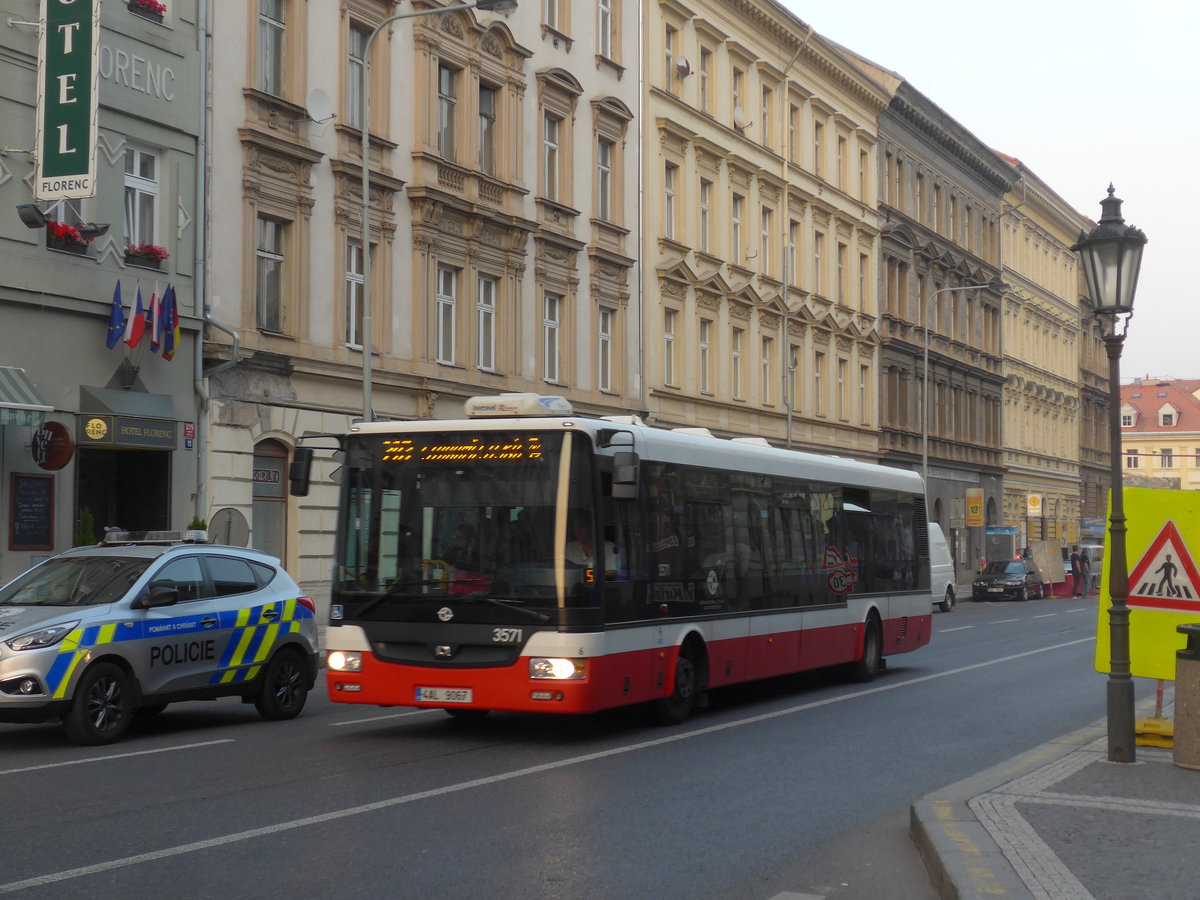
67, 100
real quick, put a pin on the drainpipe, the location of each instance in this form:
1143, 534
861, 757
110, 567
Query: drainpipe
785, 344
203, 30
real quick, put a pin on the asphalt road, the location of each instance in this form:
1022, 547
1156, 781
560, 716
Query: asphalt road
797, 785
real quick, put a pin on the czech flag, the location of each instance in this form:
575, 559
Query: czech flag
135, 325
170, 317
116, 320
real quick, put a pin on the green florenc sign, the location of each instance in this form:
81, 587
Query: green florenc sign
66, 102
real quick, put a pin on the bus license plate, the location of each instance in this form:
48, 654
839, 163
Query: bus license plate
444, 695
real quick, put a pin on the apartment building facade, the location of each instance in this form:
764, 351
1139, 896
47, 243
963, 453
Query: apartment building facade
95, 431
1049, 335
1160, 432
761, 238
503, 230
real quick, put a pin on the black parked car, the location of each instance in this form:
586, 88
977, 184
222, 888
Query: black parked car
1017, 579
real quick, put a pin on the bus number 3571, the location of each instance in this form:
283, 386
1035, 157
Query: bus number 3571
507, 635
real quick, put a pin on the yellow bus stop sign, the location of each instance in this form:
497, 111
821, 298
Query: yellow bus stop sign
1164, 582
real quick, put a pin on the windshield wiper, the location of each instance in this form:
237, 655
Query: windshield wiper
506, 603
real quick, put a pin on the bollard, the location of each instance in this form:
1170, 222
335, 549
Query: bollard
1187, 700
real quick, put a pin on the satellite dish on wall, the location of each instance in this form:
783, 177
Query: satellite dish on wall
319, 107
683, 68
229, 526
739, 118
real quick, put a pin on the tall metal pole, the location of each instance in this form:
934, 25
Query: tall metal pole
1121, 733
365, 126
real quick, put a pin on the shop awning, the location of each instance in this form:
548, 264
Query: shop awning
20, 403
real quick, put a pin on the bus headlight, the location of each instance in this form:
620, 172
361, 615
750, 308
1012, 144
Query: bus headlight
557, 669
344, 661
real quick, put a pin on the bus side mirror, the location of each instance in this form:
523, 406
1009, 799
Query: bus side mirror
625, 476
300, 471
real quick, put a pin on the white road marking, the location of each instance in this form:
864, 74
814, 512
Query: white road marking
959, 628
384, 717
1046, 616
1005, 621
335, 815
95, 759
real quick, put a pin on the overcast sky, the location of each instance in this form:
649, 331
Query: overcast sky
1083, 93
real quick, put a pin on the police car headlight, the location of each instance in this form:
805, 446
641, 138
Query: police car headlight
344, 661
46, 637
557, 669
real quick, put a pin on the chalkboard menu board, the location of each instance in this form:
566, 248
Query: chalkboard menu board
31, 512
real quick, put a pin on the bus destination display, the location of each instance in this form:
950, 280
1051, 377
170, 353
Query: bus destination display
468, 449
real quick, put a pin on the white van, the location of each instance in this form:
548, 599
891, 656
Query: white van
941, 569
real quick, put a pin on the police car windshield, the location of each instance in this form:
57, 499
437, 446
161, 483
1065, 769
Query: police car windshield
75, 581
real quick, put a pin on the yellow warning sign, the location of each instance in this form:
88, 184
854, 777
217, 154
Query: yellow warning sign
1164, 583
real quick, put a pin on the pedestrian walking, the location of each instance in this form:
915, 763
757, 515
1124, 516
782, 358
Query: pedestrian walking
1076, 572
1085, 563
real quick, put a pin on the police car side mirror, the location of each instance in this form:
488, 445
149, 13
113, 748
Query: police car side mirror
158, 596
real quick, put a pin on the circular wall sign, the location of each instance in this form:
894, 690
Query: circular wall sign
52, 446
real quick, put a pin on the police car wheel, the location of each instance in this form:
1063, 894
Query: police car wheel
103, 706
284, 687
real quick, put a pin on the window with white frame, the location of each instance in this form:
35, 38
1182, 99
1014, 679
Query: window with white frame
842, 388
1131, 459
271, 31
818, 386
1166, 458
141, 195
818, 149
818, 252
705, 204
269, 260
793, 259
864, 395
669, 173
766, 371
485, 324
447, 110
1166, 418
446, 303
739, 78
356, 48
793, 125
604, 162
765, 250
735, 362
670, 37
703, 363
551, 331
864, 265
668, 355
705, 81
765, 116
550, 126
604, 349
354, 293
735, 229
842, 250
487, 129
604, 29
550, 13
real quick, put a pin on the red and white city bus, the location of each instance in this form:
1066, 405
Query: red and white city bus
529, 559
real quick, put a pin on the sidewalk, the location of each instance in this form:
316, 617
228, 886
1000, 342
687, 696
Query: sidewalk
1063, 823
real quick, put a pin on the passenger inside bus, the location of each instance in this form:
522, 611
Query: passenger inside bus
582, 550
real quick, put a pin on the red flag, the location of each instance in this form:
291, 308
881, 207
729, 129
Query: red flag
154, 320
135, 325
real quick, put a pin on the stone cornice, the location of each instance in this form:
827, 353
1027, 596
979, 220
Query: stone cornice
945, 133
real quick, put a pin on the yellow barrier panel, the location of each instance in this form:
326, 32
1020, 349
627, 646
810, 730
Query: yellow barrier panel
1164, 582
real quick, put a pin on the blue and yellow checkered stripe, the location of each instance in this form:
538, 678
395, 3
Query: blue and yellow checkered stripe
252, 640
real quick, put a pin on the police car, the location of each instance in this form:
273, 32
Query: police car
97, 635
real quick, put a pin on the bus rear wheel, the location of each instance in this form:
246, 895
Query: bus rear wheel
870, 663
676, 708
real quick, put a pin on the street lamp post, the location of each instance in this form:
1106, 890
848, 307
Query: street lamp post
1111, 256
365, 125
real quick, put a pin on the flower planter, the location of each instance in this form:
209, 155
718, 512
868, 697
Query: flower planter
65, 246
145, 262
139, 10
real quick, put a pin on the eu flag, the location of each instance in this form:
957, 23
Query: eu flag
116, 320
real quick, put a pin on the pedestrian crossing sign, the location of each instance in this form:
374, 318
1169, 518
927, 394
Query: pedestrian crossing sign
1164, 583
1165, 577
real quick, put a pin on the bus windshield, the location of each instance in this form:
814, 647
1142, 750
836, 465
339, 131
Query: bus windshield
458, 515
